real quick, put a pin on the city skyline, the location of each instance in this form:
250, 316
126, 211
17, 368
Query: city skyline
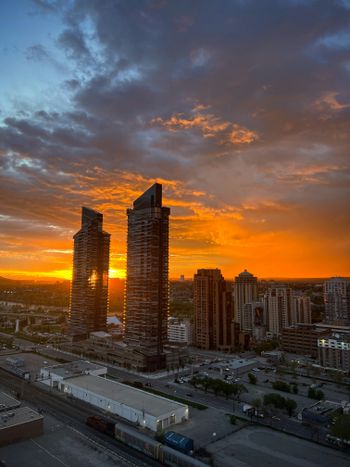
239, 109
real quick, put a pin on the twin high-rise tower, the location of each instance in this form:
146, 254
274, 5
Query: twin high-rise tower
89, 290
147, 285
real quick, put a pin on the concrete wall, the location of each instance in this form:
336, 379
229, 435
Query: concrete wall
26, 430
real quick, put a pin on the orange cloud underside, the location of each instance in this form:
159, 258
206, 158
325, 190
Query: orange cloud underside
266, 236
229, 237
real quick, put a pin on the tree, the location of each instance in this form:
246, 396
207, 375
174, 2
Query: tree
315, 394
341, 427
290, 406
256, 403
281, 386
252, 378
240, 388
227, 389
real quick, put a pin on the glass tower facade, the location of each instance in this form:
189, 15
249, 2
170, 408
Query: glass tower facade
89, 290
147, 285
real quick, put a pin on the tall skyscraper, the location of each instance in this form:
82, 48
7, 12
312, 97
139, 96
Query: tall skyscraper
301, 309
245, 291
336, 292
147, 285
89, 290
278, 307
212, 310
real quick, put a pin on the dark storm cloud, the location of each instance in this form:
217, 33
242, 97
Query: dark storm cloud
247, 101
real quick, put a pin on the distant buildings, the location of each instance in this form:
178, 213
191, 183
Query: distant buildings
89, 290
284, 308
212, 310
245, 291
301, 309
254, 319
337, 300
302, 339
147, 287
179, 331
278, 306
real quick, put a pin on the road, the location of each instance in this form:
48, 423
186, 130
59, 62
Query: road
74, 413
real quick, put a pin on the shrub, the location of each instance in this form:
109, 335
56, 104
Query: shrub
281, 386
252, 378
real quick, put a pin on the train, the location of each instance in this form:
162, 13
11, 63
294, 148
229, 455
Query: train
148, 446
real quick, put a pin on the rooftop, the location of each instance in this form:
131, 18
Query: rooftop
236, 363
324, 407
7, 402
17, 417
124, 394
101, 335
75, 368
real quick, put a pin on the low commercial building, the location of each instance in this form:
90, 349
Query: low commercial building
320, 413
7, 402
140, 407
19, 424
334, 352
235, 366
119, 354
53, 375
302, 339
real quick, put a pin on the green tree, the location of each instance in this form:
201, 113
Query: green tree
290, 406
341, 427
281, 386
316, 394
252, 378
227, 389
256, 403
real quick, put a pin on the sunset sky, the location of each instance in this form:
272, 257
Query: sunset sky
241, 108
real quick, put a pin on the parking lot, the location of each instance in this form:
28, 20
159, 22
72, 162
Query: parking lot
256, 447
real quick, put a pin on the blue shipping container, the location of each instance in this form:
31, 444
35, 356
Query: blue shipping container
178, 442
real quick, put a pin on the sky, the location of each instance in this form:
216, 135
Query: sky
240, 108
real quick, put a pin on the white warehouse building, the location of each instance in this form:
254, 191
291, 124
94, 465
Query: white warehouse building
140, 407
53, 375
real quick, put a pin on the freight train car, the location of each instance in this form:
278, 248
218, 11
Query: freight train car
148, 446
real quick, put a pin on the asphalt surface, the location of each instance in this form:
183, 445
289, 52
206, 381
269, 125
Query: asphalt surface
74, 413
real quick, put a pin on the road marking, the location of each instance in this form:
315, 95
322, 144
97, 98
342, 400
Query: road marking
49, 453
105, 449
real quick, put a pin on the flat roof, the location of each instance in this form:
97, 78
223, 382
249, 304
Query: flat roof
323, 407
18, 417
124, 394
8, 402
74, 368
235, 363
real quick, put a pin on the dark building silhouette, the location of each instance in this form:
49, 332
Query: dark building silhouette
89, 290
147, 285
212, 310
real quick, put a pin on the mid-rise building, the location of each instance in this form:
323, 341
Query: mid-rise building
301, 310
334, 352
302, 339
147, 285
180, 331
212, 310
278, 306
336, 292
254, 317
245, 291
89, 291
